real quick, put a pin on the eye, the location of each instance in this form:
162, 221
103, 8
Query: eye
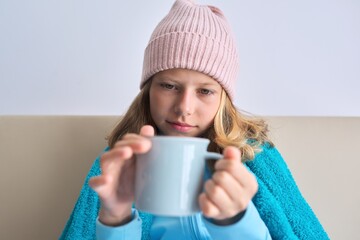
167, 86
205, 91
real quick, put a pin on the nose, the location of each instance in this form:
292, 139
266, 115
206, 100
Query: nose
185, 104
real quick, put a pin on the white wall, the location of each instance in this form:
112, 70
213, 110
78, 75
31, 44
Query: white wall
85, 57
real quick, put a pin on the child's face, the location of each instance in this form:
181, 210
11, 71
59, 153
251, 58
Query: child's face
183, 102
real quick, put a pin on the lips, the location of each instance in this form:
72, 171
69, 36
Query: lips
180, 126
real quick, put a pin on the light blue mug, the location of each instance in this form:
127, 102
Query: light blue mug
170, 177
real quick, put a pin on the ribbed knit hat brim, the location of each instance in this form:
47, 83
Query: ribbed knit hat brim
194, 37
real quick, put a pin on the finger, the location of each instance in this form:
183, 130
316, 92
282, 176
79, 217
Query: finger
232, 153
111, 161
137, 143
147, 131
239, 172
235, 168
97, 182
239, 195
207, 207
219, 198
230, 162
101, 185
229, 184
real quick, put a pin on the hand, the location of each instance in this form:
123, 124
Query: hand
230, 189
115, 185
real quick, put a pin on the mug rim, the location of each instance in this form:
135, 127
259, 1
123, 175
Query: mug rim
179, 138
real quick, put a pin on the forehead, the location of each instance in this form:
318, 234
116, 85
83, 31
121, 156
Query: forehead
185, 76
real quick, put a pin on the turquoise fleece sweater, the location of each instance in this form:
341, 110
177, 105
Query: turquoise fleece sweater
190, 227
278, 201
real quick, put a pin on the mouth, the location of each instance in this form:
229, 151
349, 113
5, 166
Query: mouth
180, 126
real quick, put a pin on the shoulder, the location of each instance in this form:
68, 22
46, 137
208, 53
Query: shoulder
267, 154
268, 163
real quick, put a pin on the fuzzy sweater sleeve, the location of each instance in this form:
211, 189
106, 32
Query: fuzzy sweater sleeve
280, 202
82, 221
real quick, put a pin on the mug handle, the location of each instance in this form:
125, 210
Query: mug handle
210, 156
213, 156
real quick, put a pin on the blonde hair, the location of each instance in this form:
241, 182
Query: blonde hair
230, 128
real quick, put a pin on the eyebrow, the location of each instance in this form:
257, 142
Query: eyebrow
175, 80
202, 84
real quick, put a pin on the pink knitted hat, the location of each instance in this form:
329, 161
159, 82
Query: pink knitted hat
195, 37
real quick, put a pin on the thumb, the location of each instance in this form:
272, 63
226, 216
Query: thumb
232, 153
147, 131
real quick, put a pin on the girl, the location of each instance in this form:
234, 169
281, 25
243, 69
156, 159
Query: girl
187, 89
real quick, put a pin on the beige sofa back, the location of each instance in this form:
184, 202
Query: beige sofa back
44, 160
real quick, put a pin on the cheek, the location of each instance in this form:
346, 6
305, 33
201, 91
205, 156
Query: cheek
155, 101
208, 112
158, 105
213, 110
